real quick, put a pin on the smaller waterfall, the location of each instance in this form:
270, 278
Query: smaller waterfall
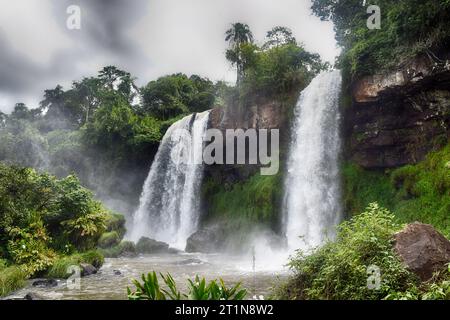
312, 198
169, 205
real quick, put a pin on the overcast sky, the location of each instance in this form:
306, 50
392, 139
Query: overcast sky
148, 38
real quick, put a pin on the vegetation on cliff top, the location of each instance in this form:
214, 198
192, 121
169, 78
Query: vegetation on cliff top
408, 28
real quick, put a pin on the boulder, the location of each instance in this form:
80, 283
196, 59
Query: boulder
45, 283
189, 262
422, 249
147, 245
117, 272
87, 269
173, 251
206, 240
33, 296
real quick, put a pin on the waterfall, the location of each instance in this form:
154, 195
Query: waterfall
312, 194
169, 204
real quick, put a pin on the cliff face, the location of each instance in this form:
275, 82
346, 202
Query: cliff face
261, 114
396, 119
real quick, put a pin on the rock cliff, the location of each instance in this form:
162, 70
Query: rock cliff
397, 118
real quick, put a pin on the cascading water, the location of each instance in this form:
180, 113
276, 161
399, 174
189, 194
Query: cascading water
169, 205
312, 197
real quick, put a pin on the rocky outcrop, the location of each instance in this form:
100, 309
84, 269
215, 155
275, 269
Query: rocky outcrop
422, 249
206, 240
45, 283
397, 118
149, 246
33, 296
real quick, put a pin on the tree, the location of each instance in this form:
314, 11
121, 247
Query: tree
87, 94
237, 35
114, 79
21, 111
279, 36
176, 94
3, 118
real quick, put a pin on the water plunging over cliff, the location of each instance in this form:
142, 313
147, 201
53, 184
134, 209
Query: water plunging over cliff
169, 205
312, 199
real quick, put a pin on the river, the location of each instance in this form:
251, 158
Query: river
108, 284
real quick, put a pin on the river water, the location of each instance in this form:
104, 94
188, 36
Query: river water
108, 285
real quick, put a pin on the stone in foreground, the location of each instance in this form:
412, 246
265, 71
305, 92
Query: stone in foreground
422, 249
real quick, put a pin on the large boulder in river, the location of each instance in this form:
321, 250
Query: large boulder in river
422, 249
206, 240
147, 245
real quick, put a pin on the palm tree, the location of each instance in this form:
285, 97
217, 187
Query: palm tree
238, 34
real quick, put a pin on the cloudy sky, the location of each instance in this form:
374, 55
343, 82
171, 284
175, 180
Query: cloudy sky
148, 38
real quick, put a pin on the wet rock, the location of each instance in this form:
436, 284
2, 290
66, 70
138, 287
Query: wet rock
87, 269
33, 296
147, 245
117, 272
189, 262
206, 240
173, 251
422, 249
45, 283
396, 119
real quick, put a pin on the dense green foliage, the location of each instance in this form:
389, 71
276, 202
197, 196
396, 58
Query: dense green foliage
414, 193
150, 289
103, 128
408, 28
175, 95
340, 270
42, 219
252, 201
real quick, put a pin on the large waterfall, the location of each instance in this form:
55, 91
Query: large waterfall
169, 204
312, 197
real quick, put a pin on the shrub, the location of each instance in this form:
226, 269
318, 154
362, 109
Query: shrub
68, 211
11, 279
61, 264
339, 270
109, 239
115, 222
28, 248
150, 289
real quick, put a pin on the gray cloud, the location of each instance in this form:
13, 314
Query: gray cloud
17, 72
105, 23
147, 38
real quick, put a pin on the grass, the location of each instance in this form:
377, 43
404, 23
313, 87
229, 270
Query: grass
255, 200
60, 266
418, 192
11, 279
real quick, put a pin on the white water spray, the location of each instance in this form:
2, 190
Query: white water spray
312, 198
169, 205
